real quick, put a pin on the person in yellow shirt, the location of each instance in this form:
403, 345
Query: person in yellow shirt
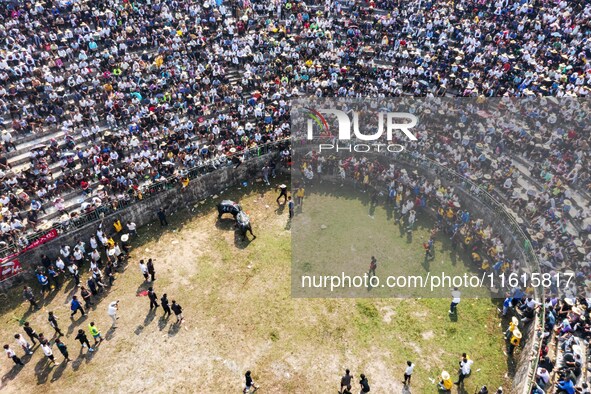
300, 193
515, 341
513, 324
185, 182
118, 226
445, 384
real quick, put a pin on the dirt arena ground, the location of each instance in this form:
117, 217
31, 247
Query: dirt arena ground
240, 315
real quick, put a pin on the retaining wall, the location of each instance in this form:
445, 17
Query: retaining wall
144, 211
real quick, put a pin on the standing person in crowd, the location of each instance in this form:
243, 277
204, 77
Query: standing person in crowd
75, 306
266, 175
30, 332
30, 296
249, 382
87, 295
151, 270
46, 347
300, 194
12, 355
53, 323
112, 312
408, 373
455, 300
178, 311
162, 217
514, 341
364, 383
165, 306
132, 228
290, 206
346, 383
83, 340
73, 268
144, 269
22, 342
153, 298
95, 332
283, 193
63, 349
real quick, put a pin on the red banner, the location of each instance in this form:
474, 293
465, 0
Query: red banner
39, 241
9, 269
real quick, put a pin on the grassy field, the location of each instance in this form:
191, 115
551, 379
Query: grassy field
240, 314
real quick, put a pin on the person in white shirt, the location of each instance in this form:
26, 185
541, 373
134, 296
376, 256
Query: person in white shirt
112, 312
11, 354
65, 251
465, 368
144, 269
22, 342
408, 372
132, 228
48, 352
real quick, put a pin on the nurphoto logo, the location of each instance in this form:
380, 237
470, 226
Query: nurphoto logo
348, 129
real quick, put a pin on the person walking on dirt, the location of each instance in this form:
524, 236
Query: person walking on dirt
22, 342
30, 296
364, 384
346, 383
112, 312
151, 270
30, 332
45, 346
12, 355
144, 269
53, 323
249, 383
63, 349
178, 311
83, 340
95, 332
86, 296
153, 298
76, 306
282, 193
165, 306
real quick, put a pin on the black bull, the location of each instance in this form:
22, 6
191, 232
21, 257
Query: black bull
243, 224
228, 206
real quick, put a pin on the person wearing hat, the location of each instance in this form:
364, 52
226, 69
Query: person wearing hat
283, 193
124, 243
513, 324
445, 384
514, 341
